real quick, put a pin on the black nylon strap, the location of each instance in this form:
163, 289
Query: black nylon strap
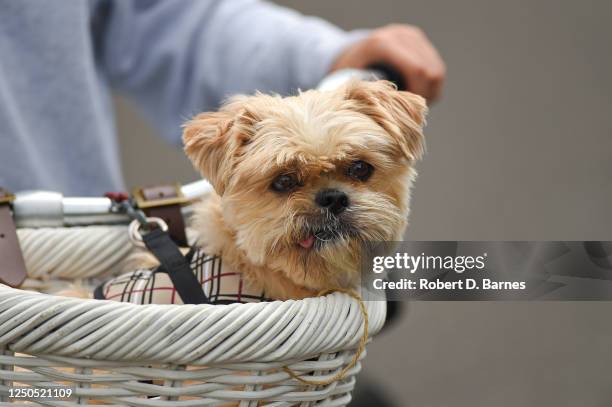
174, 263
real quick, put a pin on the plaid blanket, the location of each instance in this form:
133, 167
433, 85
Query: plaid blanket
220, 285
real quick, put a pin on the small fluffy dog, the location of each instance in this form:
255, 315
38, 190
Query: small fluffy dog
303, 181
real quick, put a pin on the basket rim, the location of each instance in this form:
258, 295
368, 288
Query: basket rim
204, 334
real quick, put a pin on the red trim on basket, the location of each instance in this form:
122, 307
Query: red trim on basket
117, 196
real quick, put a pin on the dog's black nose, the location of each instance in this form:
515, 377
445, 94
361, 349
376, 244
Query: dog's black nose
332, 199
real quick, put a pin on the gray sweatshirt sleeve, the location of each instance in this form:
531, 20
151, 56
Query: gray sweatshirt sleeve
177, 58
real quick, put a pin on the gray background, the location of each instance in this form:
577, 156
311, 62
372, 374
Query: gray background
520, 148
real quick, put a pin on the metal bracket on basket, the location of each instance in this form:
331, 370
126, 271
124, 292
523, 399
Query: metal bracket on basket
140, 223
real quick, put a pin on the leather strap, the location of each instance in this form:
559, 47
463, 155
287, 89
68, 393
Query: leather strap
176, 265
164, 201
171, 214
12, 266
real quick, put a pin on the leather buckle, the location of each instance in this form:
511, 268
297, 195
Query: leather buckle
6, 197
164, 202
161, 195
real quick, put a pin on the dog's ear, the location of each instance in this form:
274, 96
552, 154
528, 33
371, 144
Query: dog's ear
211, 140
401, 114
205, 139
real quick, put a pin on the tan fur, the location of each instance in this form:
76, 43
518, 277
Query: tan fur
315, 135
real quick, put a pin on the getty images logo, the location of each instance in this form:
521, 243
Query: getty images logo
412, 264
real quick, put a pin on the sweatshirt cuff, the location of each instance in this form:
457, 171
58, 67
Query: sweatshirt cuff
322, 50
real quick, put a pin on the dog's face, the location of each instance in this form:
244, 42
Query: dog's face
306, 180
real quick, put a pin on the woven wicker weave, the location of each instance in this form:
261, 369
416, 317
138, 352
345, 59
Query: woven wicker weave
181, 355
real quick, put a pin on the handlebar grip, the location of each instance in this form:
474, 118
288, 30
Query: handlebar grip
385, 71
372, 72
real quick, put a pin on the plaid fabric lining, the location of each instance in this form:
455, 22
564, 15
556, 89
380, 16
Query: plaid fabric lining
220, 285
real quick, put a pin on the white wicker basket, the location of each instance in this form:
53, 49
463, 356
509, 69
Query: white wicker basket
173, 355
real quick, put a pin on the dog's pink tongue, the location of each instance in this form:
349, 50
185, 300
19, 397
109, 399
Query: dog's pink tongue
308, 242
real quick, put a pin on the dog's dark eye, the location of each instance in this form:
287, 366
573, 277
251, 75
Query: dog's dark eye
284, 183
360, 170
